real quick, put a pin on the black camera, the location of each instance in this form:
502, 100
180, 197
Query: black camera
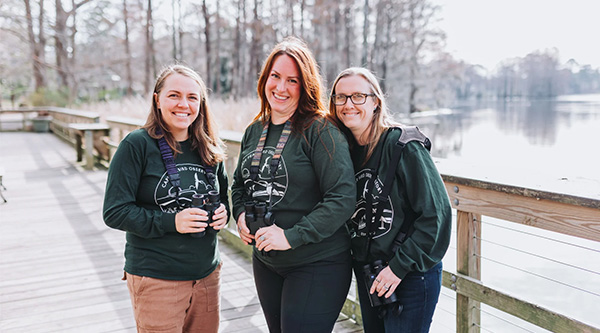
209, 203
370, 272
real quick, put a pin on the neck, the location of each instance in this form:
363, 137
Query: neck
360, 137
180, 136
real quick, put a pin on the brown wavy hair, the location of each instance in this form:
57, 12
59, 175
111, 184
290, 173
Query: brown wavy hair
202, 132
310, 105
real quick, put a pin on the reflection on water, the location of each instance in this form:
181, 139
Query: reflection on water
557, 137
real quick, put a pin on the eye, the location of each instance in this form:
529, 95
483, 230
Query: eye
294, 81
194, 98
275, 75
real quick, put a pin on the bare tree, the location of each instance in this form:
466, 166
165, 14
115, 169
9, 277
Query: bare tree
207, 44
129, 76
150, 59
63, 40
37, 44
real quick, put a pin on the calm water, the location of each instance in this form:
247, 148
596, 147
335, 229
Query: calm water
545, 144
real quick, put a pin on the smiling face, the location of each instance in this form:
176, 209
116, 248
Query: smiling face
179, 104
282, 89
357, 118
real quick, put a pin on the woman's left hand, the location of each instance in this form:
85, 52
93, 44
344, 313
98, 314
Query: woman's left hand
219, 218
271, 238
385, 283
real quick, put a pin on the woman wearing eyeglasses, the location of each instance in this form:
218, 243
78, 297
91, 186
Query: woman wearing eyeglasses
411, 232
154, 193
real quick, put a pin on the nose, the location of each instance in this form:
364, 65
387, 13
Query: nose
183, 102
281, 85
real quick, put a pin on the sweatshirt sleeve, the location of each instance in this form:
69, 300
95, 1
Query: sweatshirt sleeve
430, 206
121, 209
331, 162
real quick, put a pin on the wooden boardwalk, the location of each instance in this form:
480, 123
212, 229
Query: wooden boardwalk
61, 266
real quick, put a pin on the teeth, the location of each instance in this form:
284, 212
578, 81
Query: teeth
178, 114
279, 97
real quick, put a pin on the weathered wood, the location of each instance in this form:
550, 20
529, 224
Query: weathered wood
552, 321
549, 212
468, 262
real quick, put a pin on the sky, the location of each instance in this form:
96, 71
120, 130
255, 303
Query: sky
485, 32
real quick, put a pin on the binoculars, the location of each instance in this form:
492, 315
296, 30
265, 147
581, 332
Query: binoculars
209, 203
370, 272
257, 216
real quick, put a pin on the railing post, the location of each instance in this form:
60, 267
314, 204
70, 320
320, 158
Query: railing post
468, 262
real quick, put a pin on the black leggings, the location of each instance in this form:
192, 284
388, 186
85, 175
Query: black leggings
306, 298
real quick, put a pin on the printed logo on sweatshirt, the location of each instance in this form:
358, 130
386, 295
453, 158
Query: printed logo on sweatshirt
193, 180
384, 225
260, 188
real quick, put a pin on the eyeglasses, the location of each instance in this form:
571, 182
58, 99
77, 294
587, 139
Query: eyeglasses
356, 98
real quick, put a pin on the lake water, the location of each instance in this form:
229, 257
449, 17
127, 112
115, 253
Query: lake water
548, 145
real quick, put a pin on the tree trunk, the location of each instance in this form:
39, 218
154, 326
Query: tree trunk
129, 76
61, 44
218, 50
150, 61
207, 44
364, 59
37, 45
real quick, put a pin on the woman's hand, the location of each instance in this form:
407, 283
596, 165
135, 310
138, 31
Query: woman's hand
191, 220
386, 283
271, 238
243, 230
219, 218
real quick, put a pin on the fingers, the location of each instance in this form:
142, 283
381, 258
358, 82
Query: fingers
385, 283
191, 220
243, 230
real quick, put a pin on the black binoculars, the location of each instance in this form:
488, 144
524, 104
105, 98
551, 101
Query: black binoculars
370, 272
257, 216
209, 203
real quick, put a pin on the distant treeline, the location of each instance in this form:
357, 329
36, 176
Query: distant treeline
63, 52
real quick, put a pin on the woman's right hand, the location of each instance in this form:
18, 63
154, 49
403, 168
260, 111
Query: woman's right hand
191, 220
243, 229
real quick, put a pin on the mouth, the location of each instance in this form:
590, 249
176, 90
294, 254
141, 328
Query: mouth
279, 97
350, 114
181, 114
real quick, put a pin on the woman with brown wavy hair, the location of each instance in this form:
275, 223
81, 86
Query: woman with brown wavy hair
292, 192
154, 192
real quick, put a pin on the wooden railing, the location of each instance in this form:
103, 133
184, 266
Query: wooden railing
472, 199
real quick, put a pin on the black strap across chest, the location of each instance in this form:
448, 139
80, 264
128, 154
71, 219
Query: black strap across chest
409, 133
167, 155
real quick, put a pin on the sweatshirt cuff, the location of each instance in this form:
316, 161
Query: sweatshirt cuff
293, 238
168, 222
397, 269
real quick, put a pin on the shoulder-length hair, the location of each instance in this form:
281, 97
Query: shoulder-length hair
381, 120
202, 132
310, 105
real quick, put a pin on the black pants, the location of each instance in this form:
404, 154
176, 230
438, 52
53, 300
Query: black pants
306, 298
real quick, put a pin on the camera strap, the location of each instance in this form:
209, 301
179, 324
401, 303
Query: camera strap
409, 133
255, 166
167, 155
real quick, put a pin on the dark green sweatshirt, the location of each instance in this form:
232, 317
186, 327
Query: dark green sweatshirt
140, 200
417, 196
313, 191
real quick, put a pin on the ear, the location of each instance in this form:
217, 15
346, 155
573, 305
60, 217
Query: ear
156, 100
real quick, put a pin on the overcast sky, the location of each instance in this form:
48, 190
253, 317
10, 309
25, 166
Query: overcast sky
487, 31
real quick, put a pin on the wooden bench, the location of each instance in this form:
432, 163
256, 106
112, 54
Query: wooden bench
89, 137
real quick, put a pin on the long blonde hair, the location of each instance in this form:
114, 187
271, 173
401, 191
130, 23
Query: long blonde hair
310, 105
381, 120
202, 132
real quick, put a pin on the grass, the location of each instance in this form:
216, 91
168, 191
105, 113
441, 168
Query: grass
229, 114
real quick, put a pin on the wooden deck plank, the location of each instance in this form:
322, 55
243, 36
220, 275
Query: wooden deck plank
60, 265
